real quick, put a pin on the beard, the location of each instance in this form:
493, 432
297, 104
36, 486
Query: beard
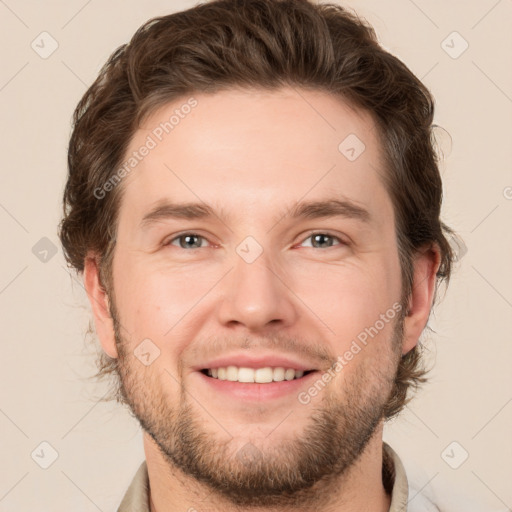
299, 473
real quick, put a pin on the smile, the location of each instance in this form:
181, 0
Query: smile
257, 375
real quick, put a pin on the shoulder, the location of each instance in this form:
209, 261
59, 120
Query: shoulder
429, 493
136, 498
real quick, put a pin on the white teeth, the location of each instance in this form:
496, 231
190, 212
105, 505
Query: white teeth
246, 375
279, 374
232, 373
263, 375
258, 375
289, 374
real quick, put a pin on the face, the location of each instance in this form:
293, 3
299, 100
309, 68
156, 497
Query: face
255, 235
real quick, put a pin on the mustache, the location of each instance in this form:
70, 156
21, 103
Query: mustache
287, 345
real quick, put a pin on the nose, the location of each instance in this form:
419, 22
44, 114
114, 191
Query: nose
256, 295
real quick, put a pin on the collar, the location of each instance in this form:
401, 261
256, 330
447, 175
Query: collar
394, 479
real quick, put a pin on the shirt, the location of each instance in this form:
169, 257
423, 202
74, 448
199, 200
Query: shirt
394, 479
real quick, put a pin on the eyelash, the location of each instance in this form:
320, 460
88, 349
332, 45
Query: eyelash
310, 235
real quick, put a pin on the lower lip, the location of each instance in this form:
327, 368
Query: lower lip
258, 392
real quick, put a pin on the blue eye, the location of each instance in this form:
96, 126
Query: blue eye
323, 240
187, 241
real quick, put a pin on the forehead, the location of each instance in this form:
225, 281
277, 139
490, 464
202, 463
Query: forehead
241, 150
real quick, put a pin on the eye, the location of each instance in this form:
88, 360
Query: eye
187, 241
323, 240
319, 240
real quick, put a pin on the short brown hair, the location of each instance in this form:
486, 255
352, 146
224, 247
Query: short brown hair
264, 44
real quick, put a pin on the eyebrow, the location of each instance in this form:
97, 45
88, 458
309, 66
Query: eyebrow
302, 210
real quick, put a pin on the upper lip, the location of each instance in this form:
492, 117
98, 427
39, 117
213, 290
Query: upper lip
256, 361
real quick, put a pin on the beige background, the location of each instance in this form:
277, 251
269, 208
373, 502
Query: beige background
45, 361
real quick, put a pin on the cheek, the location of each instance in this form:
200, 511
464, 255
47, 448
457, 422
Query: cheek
354, 302
157, 302
151, 310
351, 287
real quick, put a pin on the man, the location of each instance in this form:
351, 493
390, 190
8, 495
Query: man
254, 201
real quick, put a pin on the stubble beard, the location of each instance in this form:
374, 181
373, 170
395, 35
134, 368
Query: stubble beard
293, 473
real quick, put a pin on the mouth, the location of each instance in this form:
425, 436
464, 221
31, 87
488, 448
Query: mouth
265, 375
254, 385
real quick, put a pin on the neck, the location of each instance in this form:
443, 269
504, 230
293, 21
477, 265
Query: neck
359, 488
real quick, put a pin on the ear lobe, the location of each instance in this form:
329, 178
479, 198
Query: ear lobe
426, 264
100, 305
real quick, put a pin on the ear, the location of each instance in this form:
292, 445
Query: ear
100, 305
426, 264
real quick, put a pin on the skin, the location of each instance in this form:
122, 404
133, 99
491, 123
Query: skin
251, 155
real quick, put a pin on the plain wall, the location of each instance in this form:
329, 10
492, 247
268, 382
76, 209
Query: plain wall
45, 361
